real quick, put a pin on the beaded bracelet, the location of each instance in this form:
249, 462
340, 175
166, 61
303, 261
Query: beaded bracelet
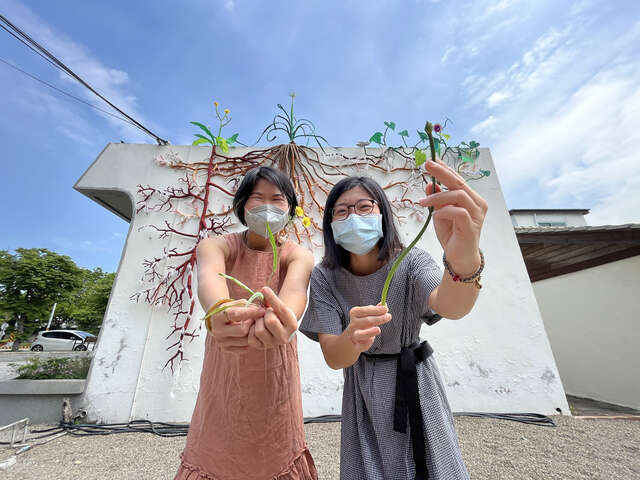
475, 278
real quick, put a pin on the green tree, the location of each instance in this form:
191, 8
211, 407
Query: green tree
84, 307
31, 281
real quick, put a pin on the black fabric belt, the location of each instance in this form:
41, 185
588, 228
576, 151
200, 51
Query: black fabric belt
408, 399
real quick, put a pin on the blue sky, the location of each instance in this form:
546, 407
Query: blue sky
553, 88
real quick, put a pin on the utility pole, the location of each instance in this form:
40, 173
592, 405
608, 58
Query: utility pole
51, 316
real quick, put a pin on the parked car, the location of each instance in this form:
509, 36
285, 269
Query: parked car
50, 340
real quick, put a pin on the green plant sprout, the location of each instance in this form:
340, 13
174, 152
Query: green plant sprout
293, 127
217, 140
380, 138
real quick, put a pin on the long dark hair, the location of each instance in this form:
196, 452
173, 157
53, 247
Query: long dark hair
336, 256
271, 175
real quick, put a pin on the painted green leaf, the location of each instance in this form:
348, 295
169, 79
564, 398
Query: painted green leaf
202, 137
403, 133
466, 158
391, 125
420, 157
222, 143
474, 144
198, 141
231, 140
445, 136
376, 138
486, 173
423, 136
205, 129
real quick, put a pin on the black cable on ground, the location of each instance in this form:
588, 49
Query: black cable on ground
528, 418
163, 429
323, 419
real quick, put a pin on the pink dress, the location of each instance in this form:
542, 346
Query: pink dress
247, 423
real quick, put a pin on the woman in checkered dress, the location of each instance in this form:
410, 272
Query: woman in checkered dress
396, 421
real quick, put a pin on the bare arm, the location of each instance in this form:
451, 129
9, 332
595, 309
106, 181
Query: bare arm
342, 351
231, 327
211, 254
281, 318
294, 288
454, 300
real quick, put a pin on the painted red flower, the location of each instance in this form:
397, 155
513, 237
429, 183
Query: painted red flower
437, 128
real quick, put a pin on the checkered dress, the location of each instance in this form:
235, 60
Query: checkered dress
370, 448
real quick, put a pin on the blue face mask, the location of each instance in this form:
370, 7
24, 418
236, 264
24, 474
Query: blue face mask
357, 233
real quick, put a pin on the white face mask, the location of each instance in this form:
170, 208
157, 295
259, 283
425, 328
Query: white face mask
358, 233
258, 217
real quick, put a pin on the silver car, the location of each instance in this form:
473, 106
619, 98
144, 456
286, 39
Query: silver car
51, 340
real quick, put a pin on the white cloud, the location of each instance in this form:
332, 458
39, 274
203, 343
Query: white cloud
485, 127
563, 120
447, 53
499, 5
112, 83
496, 98
622, 206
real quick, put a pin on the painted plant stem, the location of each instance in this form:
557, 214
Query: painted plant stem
385, 290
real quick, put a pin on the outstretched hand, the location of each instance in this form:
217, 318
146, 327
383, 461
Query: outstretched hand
458, 217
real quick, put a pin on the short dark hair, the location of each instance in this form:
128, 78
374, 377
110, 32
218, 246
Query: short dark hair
271, 175
336, 256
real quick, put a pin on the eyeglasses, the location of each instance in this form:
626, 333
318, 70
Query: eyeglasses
364, 206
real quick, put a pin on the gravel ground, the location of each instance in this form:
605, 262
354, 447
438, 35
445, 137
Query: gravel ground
493, 449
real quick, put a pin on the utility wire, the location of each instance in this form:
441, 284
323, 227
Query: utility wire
25, 39
66, 93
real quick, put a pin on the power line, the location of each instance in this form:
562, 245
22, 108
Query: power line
25, 39
65, 93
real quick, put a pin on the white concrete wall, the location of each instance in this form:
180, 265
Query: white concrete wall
497, 359
592, 318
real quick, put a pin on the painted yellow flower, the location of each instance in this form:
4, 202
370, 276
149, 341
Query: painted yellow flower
306, 222
299, 212
226, 110
216, 104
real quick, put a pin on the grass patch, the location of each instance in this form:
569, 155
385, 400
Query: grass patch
54, 368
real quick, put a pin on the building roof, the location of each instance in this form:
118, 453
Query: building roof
552, 251
581, 211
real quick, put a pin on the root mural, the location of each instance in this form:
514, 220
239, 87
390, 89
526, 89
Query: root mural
168, 277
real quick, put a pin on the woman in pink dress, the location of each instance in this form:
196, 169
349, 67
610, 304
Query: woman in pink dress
247, 423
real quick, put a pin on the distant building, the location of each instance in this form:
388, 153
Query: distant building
586, 280
548, 217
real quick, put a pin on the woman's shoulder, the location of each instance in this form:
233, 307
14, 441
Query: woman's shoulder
323, 274
294, 251
225, 242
